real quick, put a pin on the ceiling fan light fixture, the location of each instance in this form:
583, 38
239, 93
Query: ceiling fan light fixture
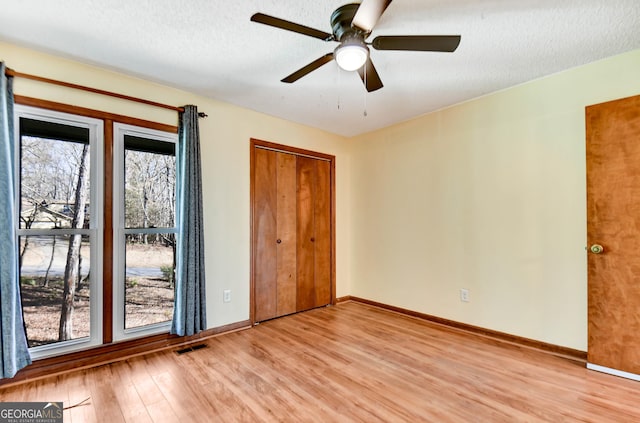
351, 54
351, 25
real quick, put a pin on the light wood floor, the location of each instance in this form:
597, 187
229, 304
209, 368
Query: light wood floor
351, 362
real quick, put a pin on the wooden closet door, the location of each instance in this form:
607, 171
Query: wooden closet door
314, 233
292, 232
264, 227
275, 234
322, 250
286, 275
306, 193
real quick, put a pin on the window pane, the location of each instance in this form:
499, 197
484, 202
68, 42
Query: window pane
43, 266
52, 172
150, 180
149, 281
145, 197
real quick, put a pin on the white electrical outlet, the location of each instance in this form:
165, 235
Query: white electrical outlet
464, 295
226, 296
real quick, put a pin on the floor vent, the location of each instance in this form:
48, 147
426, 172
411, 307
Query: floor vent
191, 348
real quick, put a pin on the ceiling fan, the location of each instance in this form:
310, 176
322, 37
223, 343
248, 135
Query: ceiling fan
352, 24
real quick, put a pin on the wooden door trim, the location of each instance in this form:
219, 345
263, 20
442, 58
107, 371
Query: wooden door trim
291, 150
256, 143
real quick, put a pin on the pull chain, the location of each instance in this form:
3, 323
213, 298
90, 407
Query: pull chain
365, 90
339, 84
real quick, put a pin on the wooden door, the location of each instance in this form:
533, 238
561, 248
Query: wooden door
292, 231
286, 238
613, 222
275, 233
264, 225
314, 236
322, 239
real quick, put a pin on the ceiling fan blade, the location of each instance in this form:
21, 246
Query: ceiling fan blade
309, 68
290, 26
369, 13
445, 43
370, 77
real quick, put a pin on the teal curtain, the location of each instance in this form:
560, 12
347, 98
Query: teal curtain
15, 352
189, 315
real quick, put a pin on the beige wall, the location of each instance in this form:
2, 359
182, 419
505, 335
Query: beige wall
490, 196
225, 138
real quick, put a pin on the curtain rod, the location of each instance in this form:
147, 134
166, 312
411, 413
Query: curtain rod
11, 72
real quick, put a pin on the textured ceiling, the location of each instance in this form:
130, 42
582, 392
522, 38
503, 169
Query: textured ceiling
210, 47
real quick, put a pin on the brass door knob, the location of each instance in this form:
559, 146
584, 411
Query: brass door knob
596, 249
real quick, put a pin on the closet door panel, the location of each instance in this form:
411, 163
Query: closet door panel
292, 230
265, 214
286, 243
322, 219
306, 298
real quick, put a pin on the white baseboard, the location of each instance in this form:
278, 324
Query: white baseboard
614, 372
